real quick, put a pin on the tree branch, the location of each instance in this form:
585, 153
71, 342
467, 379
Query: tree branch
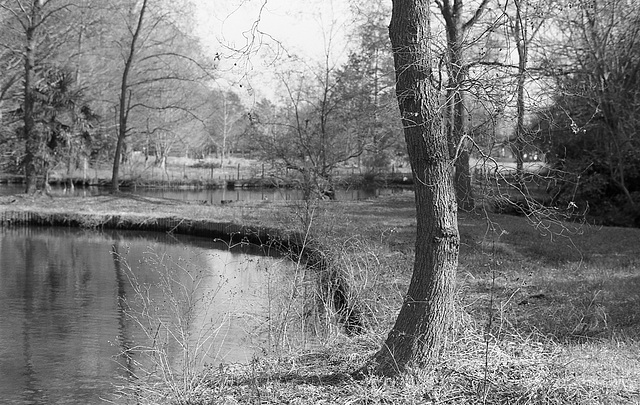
476, 15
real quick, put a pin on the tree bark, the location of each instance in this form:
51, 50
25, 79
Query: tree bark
420, 329
123, 109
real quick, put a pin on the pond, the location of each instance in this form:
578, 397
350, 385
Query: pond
79, 307
213, 196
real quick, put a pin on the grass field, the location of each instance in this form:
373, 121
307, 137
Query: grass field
548, 312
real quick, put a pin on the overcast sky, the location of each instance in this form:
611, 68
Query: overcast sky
300, 27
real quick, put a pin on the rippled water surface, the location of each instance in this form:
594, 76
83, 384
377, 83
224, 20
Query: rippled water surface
68, 324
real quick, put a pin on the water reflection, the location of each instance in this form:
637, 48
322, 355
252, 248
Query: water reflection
125, 341
66, 335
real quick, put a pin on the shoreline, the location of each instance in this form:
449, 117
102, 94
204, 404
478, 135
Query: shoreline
201, 228
151, 214
294, 244
230, 182
541, 276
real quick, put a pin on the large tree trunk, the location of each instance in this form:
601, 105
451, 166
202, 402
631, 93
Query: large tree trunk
419, 332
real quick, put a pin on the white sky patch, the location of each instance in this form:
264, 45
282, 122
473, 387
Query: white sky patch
269, 31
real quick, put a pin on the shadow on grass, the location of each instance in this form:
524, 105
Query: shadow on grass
319, 379
558, 304
148, 200
577, 309
560, 280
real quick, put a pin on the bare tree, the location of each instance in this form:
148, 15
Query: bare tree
307, 135
457, 29
125, 96
163, 75
227, 121
419, 331
525, 23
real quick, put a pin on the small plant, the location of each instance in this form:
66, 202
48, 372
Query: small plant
329, 290
178, 332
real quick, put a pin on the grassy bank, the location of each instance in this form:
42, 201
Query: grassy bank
548, 312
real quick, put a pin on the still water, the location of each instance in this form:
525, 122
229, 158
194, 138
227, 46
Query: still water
72, 308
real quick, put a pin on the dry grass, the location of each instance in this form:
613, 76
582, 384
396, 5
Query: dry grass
546, 315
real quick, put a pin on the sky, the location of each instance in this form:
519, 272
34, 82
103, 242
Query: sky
270, 30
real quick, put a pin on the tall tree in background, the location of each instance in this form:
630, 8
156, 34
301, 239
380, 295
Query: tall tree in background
125, 95
163, 80
31, 23
458, 71
419, 331
367, 83
227, 121
526, 21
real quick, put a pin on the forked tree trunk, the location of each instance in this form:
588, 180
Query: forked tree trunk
456, 28
420, 329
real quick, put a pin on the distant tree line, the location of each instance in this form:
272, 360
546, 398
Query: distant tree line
88, 82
